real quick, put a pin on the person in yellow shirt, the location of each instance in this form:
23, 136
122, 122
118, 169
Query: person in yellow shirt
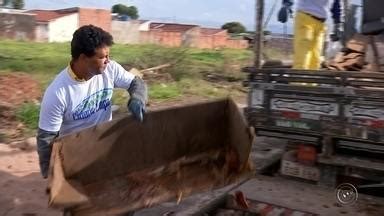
310, 29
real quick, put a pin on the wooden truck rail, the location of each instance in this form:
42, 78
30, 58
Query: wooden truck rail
342, 108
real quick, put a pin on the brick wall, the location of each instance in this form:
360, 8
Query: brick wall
237, 44
213, 41
281, 44
17, 26
190, 38
98, 17
171, 39
178, 39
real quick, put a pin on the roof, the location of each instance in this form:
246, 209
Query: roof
210, 31
171, 27
143, 21
49, 15
138, 21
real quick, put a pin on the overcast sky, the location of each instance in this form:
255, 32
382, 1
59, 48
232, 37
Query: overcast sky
210, 13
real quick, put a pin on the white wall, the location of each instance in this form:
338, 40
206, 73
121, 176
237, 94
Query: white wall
126, 32
41, 32
145, 26
62, 29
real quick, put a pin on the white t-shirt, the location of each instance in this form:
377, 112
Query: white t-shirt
69, 105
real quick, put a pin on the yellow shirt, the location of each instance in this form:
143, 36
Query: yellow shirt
73, 75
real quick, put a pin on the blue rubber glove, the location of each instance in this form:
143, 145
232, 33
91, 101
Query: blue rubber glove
285, 12
137, 108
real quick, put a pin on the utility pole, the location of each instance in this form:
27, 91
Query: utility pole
347, 14
258, 32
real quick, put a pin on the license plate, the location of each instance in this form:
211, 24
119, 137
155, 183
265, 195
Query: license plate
293, 124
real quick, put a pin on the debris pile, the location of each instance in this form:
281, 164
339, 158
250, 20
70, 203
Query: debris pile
361, 53
239, 204
352, 57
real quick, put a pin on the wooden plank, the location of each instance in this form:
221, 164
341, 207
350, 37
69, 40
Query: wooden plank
292, 80
304, 97
288, 130
352, 162
327, 73
317, 90
367, 93
366, 83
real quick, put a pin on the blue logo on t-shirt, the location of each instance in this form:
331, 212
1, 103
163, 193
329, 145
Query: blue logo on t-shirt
95, 102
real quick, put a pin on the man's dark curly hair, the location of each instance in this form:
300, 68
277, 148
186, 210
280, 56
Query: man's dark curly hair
88, 38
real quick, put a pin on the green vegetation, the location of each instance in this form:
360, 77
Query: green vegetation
165, 91
48, 59
33, 58
28, 114
234, 27
16, 4
122, 9
188, 70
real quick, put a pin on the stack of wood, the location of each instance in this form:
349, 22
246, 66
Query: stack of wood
361, 53
352, 57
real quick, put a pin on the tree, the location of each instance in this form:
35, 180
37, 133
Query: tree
130, 11
18, 4
234, 27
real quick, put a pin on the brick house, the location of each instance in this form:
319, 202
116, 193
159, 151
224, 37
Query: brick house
54, 26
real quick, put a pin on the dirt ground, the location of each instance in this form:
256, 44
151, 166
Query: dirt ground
22, 189
15, 89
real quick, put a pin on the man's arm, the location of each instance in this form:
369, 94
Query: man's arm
139, 96
50, 120
44, 149
135, 86
138, 89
